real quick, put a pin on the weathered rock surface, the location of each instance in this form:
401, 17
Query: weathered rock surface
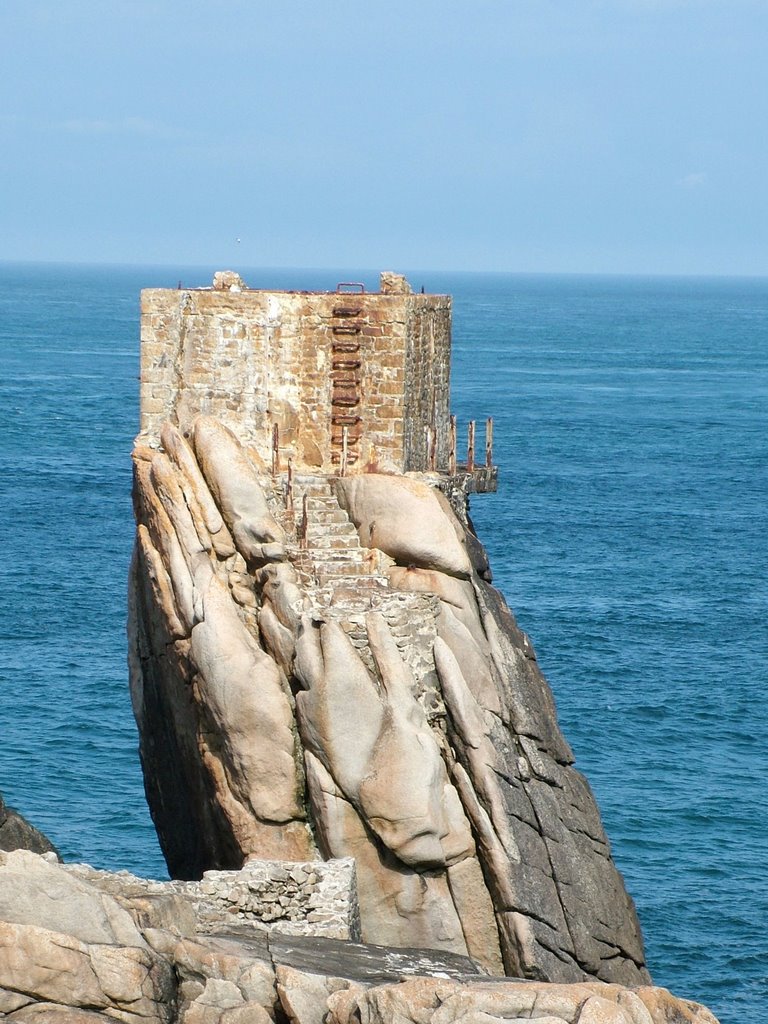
423, 1000
16, 833
348, 684
79, 946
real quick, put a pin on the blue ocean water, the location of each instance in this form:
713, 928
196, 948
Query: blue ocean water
629, 535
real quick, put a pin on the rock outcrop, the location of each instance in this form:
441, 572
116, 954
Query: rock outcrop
78, 946
321, 667
16, 833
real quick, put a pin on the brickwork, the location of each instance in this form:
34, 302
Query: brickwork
311, 363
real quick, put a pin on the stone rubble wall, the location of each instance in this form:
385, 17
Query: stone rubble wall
297, 898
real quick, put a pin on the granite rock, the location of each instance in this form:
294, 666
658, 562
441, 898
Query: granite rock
122, 948
361, 691
16, 833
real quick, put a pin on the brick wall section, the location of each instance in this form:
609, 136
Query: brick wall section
310, 362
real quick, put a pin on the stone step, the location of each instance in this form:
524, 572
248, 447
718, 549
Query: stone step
335, 543
329, 573
321, 503
316, 500
301, 479
326, 514
361, 588
338, 556
331, 518
331, 566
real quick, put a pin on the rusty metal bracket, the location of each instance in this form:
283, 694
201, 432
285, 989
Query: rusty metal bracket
347, 310
349, 285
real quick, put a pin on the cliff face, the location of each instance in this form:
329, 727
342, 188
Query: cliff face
320, 667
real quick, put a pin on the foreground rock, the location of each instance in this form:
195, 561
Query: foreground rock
474, 1002
352, 686
81, 947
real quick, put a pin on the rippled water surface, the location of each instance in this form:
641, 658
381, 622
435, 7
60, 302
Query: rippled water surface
629, 534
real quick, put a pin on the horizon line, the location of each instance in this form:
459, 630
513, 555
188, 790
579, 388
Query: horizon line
690, 275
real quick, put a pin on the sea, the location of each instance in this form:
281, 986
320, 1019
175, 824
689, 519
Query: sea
629, 534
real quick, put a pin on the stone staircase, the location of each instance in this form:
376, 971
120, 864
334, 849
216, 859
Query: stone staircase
344, 581
330, 557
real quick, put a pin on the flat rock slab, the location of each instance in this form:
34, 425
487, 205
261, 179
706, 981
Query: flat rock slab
254, 945
364, 963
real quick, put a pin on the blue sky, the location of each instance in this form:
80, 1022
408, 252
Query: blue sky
557, 135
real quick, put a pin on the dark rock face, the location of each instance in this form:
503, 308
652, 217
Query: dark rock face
349, 684
17, 834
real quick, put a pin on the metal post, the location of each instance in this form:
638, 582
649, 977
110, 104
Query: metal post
289, 488
344, 449
452, 448
275, 449
489, 442
471, 447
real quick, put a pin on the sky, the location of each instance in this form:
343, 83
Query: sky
577, 136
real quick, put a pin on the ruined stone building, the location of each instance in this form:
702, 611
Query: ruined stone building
305, 368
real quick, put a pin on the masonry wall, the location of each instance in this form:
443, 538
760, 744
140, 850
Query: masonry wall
311, 363
427, 379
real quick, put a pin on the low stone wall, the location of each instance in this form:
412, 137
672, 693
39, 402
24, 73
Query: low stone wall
295, 898
311, 898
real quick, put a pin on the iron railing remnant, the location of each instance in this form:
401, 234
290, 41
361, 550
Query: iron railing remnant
289, 488
275, 449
